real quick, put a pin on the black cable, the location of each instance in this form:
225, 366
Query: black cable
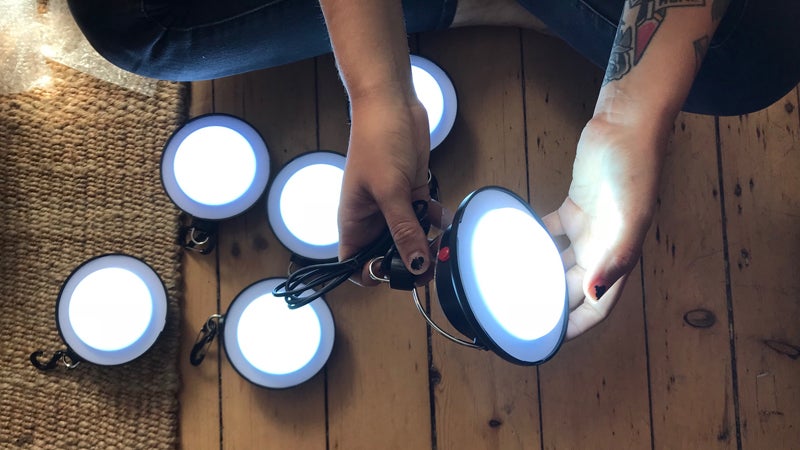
319, 279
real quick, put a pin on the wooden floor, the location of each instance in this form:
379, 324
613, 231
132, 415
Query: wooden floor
724, 245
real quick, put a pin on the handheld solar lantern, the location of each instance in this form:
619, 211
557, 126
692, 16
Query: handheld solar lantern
500, 279
110, 311
267, 343
436, 92
302, 205
213, 167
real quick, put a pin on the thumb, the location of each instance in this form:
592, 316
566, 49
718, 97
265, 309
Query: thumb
407, 233
615, 263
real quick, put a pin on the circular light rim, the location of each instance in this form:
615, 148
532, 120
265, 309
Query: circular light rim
551, 341
278, 225
215, 212
250, 372
158, 292
445, 125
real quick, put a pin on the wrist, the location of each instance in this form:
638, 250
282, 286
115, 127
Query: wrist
619, 136
651, 120
385, 103
384, 93
626, 102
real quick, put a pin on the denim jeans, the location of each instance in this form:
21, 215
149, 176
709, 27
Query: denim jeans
753, 60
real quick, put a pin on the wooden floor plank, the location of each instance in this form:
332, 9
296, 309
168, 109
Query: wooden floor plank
684, 271
378, 375
202, 98
761, 171
280, 103
481, 401
199, 396
561, 89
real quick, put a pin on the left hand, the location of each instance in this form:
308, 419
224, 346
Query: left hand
606, 215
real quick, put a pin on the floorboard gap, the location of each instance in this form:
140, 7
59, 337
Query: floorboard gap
728, 290
647, 355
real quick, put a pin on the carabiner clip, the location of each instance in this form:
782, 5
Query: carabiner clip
199, 236
204, 339
68, 357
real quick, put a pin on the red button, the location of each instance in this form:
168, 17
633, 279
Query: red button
444, 254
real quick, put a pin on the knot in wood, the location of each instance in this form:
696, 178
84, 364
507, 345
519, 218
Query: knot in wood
700, 318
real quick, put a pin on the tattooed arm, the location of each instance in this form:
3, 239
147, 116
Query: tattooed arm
657, 52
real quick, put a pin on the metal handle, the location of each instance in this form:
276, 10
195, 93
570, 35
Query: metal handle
444, 333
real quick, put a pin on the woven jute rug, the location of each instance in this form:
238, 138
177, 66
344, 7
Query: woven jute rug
79, 163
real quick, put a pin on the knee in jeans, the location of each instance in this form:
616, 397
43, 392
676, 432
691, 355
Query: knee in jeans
117, 30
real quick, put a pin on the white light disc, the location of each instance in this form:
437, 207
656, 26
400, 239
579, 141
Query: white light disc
436, 92
303, 202
274, 346
111, 309
512, 275
215, 166
268, 320
309, 203
497, 231
107, 325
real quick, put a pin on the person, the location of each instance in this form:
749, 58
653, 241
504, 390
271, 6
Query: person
723, 57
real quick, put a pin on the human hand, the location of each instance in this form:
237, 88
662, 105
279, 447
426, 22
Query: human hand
607, 214
386, 170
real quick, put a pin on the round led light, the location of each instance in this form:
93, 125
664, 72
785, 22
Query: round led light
302, 204
111, 309
274, 346
503, 281
436, 92
215, 166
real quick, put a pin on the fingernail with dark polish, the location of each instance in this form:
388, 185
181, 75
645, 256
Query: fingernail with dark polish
599, 290
417, 262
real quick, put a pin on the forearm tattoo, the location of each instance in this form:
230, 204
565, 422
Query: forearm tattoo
639, 23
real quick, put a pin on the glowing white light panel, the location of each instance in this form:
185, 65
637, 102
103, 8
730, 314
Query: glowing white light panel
276, 339
274, 346
111, 309
527, 254
310, 201
303, 203
436, 92
215, 166
512, 275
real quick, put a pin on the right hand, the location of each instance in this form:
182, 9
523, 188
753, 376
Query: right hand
386, 170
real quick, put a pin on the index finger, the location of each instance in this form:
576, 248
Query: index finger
591, 312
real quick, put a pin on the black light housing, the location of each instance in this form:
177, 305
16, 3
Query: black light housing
302, 204
500, 279
110, 311
268, 344
214, 167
